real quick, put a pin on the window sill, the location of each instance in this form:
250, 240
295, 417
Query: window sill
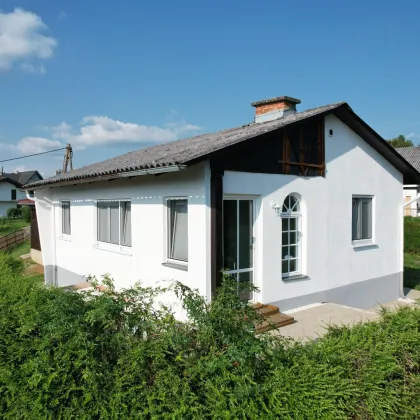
115, 249
296, 277
66, 238
176, 266
363, 245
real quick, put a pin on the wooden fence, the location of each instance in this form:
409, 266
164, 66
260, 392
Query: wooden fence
14, 238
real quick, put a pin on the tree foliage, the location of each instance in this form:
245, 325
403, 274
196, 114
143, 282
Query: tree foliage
400, 141
119, 355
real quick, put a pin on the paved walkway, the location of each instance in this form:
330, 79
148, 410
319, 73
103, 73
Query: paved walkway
312, 320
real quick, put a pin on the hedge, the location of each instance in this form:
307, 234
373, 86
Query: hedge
412, 234
117, 355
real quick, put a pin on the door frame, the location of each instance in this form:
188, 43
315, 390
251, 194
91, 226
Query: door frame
255, 205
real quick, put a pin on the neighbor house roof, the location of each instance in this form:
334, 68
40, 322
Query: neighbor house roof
22, 177
411, 155
10, 181
191, 150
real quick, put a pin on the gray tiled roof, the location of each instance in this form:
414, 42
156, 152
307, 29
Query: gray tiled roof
182, 152
411, 155
21, 177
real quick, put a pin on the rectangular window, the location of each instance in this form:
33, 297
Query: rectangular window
361, 218
178, 229
65, 218
114, 222
13, 194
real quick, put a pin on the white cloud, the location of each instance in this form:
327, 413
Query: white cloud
29, 145
101, 130
63, 15
22, 42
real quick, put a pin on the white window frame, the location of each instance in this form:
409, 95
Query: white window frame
368, 241
64, 235
108, 246
297, 215
167, 241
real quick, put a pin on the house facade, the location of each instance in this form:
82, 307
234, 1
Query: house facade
305, 205
11, 188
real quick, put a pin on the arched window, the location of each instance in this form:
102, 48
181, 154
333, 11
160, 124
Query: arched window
291, 236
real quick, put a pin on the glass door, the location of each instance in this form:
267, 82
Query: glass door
238, 253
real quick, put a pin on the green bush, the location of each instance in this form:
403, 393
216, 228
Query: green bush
26, 214
14, 213
412, 234
118, 355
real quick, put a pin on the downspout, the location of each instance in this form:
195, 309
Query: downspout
402, 294
49, 202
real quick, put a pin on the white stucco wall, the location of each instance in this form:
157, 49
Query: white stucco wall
5, 197
79, 255
329, 259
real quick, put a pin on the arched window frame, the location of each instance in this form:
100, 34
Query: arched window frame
291, 252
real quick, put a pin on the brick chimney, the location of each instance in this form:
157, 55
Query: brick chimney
274, 108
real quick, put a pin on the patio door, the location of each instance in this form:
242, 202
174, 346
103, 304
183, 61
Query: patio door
238, 240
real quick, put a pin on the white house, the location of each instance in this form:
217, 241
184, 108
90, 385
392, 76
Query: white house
10, 188
306, 205
411, 191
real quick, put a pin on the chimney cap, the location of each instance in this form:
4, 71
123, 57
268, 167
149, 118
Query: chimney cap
289, 99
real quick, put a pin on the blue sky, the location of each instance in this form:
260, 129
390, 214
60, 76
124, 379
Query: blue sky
110, 77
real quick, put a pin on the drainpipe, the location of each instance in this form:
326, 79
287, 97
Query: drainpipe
54, 256
402, 294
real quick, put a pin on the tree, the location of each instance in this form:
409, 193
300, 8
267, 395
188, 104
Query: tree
400, 141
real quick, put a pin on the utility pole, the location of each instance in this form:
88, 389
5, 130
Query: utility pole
68, 157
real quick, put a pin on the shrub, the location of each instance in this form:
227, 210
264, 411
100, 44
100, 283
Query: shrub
118, 355
14, 213
412, 234
26, 214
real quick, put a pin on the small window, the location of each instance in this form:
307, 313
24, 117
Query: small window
291, 237
13, 194
65, 218
361, 218
178, 229
114, 222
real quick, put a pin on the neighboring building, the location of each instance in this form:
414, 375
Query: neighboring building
10, 188
306, 205
411, 191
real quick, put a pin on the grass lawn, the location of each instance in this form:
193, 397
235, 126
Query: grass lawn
412, 270
11, 225
32, 270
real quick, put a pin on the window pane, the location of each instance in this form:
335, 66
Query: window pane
179, 228
114, 207
245, 234
230, 238
294, 203
285, 267
355, 220
293, 265
293, 223
103, 222
293, 251
293, 238
285, 253
366, 209
285, 224
285, 238
65, 216
126, 223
